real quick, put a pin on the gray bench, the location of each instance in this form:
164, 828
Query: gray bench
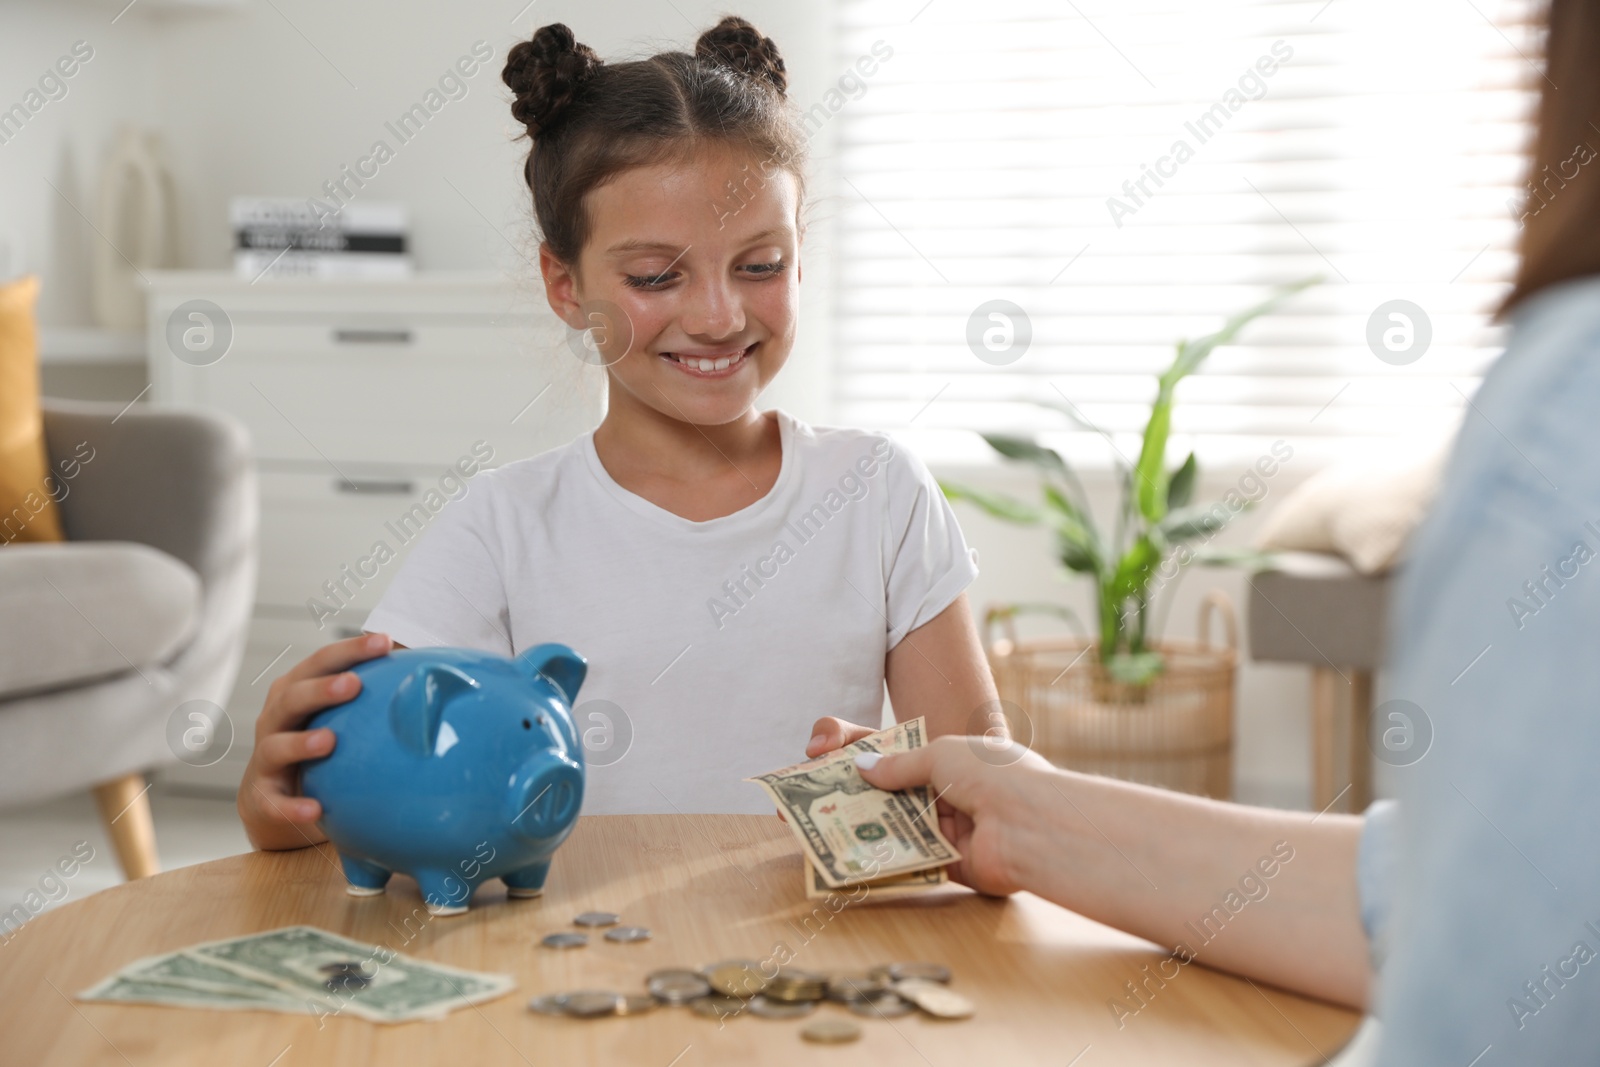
1317, 610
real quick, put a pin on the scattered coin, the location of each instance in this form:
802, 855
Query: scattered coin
794, 986
628, 933
767, 1008
931, 972
730, 988
736, 978
846, 988
592, 1004
831, 1031
564, 939
677, 986
716, 1006
635, 1004
549, 1004
937, 1000
597, 918
890, 1005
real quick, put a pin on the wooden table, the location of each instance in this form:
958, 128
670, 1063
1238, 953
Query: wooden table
710, 887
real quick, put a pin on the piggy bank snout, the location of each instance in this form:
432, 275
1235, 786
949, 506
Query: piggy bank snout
546, 795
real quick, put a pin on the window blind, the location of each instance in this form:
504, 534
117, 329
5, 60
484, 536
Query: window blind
1130, 172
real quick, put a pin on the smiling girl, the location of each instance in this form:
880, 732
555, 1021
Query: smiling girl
738, 580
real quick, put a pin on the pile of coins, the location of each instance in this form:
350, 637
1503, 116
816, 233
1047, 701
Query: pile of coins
733, 987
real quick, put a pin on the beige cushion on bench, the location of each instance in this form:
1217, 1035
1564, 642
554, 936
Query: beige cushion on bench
78, 612
1364, 512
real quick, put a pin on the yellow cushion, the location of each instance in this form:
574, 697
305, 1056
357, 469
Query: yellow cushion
27, 508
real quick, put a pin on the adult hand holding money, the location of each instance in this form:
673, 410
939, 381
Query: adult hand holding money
852, 832
983, 805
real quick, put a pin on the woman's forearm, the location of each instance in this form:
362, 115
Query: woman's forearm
1264, 893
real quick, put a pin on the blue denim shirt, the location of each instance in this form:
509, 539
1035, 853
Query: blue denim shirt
1492, 876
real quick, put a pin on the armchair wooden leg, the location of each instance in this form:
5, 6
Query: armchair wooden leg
125, 810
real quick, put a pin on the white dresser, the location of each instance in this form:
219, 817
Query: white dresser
365, 401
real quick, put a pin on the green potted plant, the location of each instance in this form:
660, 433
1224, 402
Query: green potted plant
1154, 520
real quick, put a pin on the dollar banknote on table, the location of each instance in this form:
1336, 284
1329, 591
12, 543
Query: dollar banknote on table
179, 981
854, 833
300, 969
896, 885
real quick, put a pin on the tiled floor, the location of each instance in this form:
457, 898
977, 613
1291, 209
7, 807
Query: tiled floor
189, 829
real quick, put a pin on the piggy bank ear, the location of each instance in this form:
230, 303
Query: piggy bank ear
419, 701
556, 664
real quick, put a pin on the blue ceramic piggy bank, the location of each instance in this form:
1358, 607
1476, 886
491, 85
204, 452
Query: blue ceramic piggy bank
454, 767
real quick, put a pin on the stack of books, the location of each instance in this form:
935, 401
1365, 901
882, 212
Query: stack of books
286, 237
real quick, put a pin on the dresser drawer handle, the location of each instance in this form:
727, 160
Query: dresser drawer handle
387, 486
372, 337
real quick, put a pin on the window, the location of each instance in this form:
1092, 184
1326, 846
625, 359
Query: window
1130, 172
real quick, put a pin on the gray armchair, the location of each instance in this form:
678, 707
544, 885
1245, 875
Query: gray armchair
144, 607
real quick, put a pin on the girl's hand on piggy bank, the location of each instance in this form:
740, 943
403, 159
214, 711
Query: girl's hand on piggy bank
274, 815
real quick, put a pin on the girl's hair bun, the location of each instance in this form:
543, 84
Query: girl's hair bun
736, 43
546, 73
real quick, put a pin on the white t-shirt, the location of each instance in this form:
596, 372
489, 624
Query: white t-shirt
712, 646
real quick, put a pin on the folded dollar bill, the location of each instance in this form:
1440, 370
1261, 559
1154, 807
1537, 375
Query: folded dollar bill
896, 885
300, 969
852, 832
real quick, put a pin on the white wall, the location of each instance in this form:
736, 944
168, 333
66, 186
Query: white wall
64, 142
249, 103
252, 107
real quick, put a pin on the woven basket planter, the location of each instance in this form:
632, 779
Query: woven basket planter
1176, 731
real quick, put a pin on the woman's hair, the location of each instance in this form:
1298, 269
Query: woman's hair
1562, 216
589, 120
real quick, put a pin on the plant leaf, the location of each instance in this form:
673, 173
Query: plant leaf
1150, 471
1075, 555
1026, 451
1080, 420
1048, 460
1189, 523
1135, 668
1134, 570
1234, 557
1076, 527
1192, 353
1000, 506
1058, 500
1180, 489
